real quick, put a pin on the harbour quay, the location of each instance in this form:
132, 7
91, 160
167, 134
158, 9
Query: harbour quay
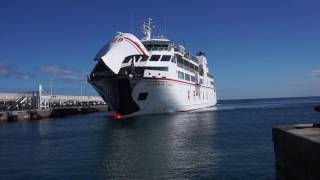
34, 105
296, 149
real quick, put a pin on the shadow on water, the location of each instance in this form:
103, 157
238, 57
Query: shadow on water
122, 123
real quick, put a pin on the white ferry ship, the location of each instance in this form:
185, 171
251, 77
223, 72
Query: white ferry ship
151, 75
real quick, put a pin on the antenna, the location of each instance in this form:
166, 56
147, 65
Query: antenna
81, 88
165, 26
147, 29
131, 25
161, 33
51, 86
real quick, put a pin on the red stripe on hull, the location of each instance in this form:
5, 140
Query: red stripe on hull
136, 44
118, 116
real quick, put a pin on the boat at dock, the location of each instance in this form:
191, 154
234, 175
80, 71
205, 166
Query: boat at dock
151, 75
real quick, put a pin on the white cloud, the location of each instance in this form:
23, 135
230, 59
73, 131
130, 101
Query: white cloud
10, 71
64, 73
315, 74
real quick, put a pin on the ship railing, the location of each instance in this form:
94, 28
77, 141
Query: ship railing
188, 55
159, 48
210, 75
178, 49
185, 53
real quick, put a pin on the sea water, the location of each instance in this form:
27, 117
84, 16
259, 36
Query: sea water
230, 141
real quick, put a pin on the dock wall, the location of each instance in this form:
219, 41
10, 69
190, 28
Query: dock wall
35, 114
297, 151
55, 98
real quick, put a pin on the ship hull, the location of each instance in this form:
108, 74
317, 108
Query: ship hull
138, 96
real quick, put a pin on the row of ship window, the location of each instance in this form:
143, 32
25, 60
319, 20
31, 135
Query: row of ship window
165, 47
152, 58
187, 77
166, 58
176, 59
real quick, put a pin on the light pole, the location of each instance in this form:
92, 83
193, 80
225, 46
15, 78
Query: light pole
81, 88
51, 86
83, 84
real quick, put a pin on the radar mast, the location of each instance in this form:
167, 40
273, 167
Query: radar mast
147, 29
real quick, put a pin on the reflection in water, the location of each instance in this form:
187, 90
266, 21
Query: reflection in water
159, 146
43, 127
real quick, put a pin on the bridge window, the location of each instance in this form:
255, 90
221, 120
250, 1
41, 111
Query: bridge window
180, 75
127, 59
174, 59
137, 58
155, 58
165, 58
193, 79
143, 96
210, 75
187, 77
144, 58
180, 61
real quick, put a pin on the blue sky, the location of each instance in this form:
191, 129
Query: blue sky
256, 49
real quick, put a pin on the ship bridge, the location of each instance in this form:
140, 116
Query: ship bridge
157, 44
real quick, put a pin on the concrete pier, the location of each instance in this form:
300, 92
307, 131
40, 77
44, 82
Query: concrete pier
3, 116
61, 112
18, 115
36, 114
40, 114
297, 151
36, 105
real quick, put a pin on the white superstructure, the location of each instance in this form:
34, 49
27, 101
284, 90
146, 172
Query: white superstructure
151, 75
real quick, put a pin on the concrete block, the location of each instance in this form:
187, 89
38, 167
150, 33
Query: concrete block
3, 116
18, 116
297, 151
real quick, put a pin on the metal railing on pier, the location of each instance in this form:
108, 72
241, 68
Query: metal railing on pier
35, 100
